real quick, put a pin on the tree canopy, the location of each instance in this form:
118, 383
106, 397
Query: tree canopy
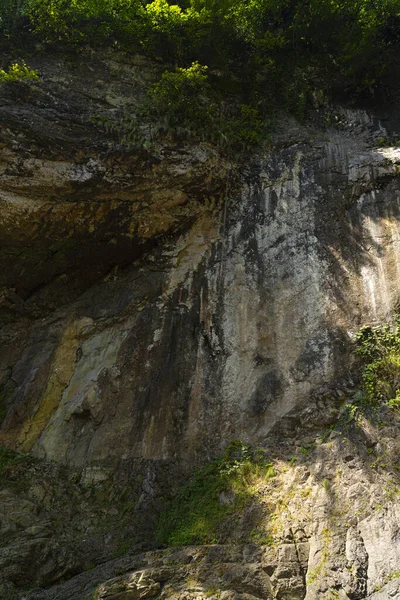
265, 52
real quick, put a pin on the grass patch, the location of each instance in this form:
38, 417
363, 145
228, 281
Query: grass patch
197, 513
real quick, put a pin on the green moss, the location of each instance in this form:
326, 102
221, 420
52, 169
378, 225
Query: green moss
197, 513
320, 569
13, 467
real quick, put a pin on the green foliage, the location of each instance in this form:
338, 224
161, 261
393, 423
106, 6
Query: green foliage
18, 72
326, 484
182, 104
197, 513
243, 130
177, 105
180, 100
379, 349
280, 51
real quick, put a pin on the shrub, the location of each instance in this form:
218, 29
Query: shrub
181, 100
379, 349
18, 72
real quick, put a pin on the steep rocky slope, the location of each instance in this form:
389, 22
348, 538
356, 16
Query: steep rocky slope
157, 305
323, 525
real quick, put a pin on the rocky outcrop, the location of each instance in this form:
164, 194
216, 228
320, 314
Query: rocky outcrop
159, 303
228, 572
324, 526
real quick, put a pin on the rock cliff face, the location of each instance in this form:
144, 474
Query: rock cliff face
157, 305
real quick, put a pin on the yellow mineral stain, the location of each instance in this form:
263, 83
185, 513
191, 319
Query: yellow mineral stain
192, 247
60, 376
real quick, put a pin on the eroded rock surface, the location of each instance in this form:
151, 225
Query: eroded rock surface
220, 332
158, 304
324, 526
220, 571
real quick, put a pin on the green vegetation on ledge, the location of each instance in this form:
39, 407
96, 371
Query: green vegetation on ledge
183, 104
198, 512
379, 349
260, 54
18, 72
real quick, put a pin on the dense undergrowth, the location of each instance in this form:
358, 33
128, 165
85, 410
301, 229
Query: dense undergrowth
197, 514
228, 63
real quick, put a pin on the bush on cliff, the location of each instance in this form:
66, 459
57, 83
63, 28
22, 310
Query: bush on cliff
379, 350
18, 72
263, 53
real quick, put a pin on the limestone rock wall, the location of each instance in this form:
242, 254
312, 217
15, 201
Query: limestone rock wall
220, 329
156, 305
